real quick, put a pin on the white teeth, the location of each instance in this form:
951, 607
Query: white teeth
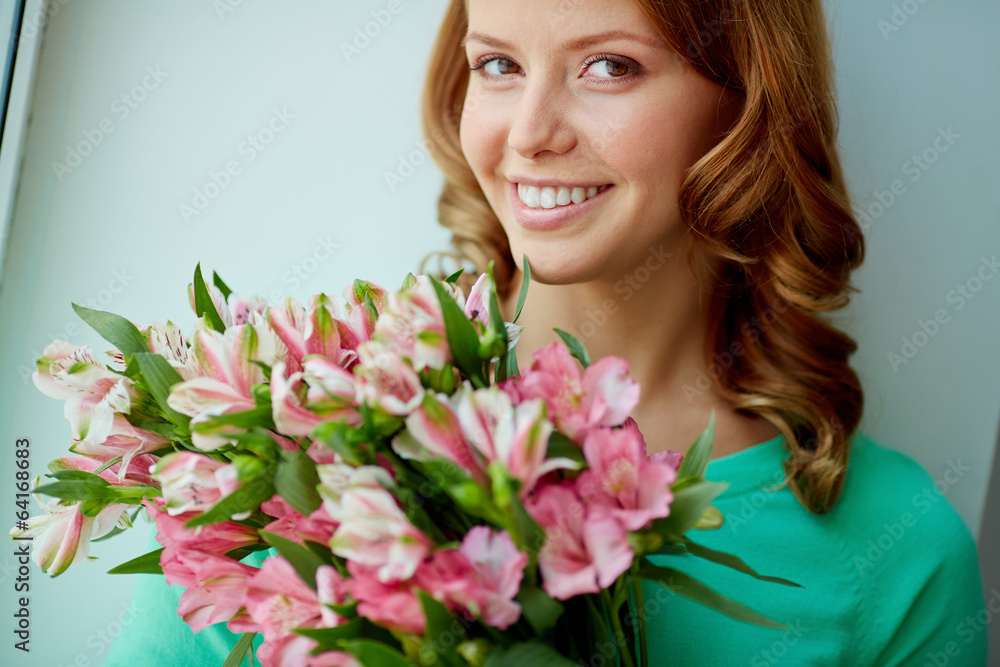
550, 197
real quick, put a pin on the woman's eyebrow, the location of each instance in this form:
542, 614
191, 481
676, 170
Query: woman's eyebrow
576, 44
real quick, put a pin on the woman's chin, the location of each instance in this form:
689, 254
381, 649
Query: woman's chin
557, 263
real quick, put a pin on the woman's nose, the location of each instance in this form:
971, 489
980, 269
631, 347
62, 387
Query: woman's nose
540, 120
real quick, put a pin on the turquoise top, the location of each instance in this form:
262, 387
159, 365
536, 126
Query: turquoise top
890, 576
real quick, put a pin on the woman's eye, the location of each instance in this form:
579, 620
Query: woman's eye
610, 69
603, 67
496, 67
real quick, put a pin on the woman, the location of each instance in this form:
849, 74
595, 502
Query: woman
675, 185
677, 191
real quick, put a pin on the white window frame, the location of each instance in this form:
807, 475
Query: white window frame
23, 20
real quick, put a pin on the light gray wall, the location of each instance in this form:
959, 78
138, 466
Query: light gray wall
322, 181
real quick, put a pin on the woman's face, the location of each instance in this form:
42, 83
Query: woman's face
551, 109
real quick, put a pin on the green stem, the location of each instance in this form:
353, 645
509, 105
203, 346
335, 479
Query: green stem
623, 648
640, 610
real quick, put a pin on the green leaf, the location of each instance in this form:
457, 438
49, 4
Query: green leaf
496, 319
540, 609
531, 653
687, 507
370, 652
734, 562
68, 474
512, 370
302, 559
695, 461
160, 376
599, 624
524, 287
690, 587
338, 437
247, 419
246, 498
531, 534
107, 464
442, 635
329, 637
462, 337
239, 553
561, 446
240, 651
576, 348
221, 285
500, 368
115, 329
203, 304
296, 482
145, 564
161, 428
453, 278
114, 531
75, 490
257, 441
94, 506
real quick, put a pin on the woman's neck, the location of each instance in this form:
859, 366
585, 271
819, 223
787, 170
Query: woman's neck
656, 319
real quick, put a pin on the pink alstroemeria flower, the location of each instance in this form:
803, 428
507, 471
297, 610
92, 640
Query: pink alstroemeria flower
481, 578
313, 331
217, 538
278, 601
412, 324
221, 305
61, 536
387, 381
393, 605
317, 527
583, 552
621, 480
477, 308
336, 478
229, 375
168, 341
516, 436
215, 586
354, 294
321, 392
433, 430
235, 310
358, 324
93, 394
124, 440
193, 482
374, 531
134, 476
603, 396
501, 567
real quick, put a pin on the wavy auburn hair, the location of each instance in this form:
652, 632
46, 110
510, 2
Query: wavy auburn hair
769, 201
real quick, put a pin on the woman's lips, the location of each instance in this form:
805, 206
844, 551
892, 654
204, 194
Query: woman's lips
547, 219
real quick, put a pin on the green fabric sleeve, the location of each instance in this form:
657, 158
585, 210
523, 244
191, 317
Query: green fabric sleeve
158, 637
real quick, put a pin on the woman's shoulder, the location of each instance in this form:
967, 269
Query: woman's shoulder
884, 486
911, 554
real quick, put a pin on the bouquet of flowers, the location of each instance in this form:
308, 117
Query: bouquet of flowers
421, 499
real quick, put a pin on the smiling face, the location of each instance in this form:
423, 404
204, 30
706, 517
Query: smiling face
548, 106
